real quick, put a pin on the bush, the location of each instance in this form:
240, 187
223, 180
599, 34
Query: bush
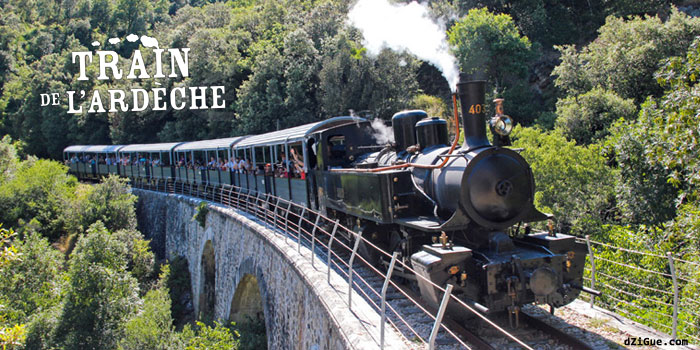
141, 260
40, 190
642, 189
202, 336
111, 202
587, 118
101, 294
201, 214
152, 327
8, 159
32, 283
572, 182
626, 55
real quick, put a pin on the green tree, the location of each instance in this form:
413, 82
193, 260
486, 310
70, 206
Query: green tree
586, 118
643, 192
487, 43
32, 283
491, 47
110, 202
141, 260
674, 118
349, 79
658, 153
40, 190
203, 336
625, 55
572, 182
101, 294
8, 159
152, 327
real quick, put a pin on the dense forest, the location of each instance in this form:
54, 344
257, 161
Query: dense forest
605, 94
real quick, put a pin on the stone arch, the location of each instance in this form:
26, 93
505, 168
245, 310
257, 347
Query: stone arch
251, 288
207, 283
247, 301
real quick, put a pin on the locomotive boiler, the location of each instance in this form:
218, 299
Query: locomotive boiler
458, 214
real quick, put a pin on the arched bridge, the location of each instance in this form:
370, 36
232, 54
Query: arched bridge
241, 267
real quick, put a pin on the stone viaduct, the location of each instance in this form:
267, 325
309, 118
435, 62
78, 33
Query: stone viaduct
239, 267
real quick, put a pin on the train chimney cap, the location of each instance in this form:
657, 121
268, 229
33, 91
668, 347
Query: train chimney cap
469, 77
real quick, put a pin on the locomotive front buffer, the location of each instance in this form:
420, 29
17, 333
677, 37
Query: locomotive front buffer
540, 268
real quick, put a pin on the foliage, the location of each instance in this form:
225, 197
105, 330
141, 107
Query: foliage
586, 118
673, 119
41, 331
200, 214
111, 202
8, 159
178, 283
253, 334
152, 327
141, 260
101, 294
490, 47
9, 252
434, 106
556, 22
12, 337
203, 336
40, 190
484, 42
349, 79
32, 283
572, 182
643, 192
625, 55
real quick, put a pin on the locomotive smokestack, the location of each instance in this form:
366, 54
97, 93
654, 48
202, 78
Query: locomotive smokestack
471, 97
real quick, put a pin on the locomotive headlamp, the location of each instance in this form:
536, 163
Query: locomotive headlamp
502, 125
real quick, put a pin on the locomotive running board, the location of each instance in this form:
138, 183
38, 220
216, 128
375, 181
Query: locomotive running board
458, 221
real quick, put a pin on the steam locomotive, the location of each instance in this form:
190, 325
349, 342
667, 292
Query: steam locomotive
457, 215
460, 216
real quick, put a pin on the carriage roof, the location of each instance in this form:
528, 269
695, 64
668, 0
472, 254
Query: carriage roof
149, 147
215, 144
93, 148
296, 133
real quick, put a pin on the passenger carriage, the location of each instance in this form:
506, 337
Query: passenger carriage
187, 154
137, 160
88, 161
260, 150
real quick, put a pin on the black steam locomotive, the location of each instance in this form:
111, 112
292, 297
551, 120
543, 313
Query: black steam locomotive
457, 215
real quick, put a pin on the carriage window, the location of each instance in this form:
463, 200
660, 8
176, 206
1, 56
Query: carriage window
336, 145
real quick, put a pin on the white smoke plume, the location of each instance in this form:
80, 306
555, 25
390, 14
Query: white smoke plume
405, 27
383, 134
